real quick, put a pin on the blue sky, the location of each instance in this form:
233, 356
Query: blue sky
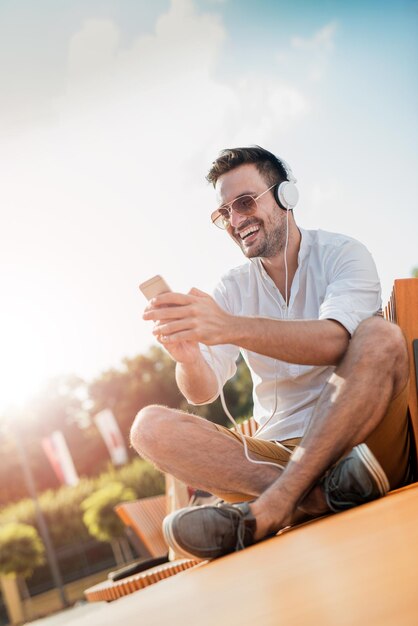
111, 112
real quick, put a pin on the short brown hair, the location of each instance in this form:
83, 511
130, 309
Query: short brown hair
266, 163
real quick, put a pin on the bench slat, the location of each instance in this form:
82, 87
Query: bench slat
145, 517
405, 296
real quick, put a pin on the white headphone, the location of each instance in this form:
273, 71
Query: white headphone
286, 194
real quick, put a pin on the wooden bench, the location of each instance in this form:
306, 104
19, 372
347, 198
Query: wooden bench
144, 517
357, 567
110, 590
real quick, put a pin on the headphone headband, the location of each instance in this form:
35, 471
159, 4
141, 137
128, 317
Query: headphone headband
288, 170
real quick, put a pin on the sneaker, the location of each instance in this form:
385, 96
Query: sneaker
208, 531
356, 479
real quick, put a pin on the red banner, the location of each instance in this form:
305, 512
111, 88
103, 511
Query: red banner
56, 449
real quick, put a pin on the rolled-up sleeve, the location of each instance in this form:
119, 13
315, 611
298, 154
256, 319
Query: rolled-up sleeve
353, 293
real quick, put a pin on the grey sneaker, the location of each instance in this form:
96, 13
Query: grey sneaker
356, 479
207, 532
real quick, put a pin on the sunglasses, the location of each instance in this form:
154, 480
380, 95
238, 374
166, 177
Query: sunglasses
243, 205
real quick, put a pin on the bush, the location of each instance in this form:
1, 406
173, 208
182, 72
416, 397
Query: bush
62, 508
21, 550
139, 475
99, 516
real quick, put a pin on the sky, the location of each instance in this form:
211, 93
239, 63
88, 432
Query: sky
111, 112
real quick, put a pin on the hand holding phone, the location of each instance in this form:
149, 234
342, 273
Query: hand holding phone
184, 351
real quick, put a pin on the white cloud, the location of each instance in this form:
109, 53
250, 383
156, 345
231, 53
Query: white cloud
92, 50
157, 94
322, 39
166, 84
309, 56
114, 188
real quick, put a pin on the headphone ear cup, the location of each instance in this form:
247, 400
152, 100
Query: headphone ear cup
286, 195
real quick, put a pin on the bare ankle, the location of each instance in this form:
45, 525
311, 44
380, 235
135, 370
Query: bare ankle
267, 521
314, 503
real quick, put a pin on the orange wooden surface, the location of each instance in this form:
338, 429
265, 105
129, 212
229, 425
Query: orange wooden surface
406, 298
109, 590
145, 517
249, 427
355, 568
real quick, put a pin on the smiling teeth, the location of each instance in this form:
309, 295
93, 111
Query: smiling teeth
248, 231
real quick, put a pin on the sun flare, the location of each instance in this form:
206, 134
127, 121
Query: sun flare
23, 365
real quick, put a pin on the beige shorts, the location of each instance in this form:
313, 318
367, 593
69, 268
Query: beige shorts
389, 442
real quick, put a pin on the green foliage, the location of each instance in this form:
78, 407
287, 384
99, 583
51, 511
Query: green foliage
238, 397
62, 507
143, 380
99, 516
414, 272
21, 550
139, 475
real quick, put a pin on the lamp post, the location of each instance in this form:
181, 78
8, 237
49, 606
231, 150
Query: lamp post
43, 528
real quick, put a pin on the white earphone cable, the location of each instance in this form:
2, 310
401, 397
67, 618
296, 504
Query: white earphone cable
222, 396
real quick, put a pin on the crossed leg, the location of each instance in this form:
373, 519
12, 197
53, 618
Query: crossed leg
193, 450
373, 371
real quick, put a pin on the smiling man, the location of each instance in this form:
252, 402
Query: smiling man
330, 376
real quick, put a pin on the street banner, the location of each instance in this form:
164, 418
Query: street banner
56, 449
110, 431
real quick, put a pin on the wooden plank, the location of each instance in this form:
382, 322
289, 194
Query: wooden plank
145, 517
109, 590
406, 296
415, 349
248, 427
357, 567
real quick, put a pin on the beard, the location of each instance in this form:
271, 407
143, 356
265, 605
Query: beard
272, 239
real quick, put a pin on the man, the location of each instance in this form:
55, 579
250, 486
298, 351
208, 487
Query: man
330, 375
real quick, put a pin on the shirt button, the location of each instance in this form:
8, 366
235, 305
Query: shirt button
284, 307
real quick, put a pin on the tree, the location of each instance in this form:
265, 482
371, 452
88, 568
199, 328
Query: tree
238, 398
62, 405
415, 272
101, 520
21, 551
142, 380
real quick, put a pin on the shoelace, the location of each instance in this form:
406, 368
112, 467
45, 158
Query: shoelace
240, 535
240, 530
237, 526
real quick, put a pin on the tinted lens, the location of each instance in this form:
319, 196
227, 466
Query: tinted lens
224, 213
245, 205
219, 220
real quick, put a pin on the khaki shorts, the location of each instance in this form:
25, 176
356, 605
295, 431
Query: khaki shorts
389, 442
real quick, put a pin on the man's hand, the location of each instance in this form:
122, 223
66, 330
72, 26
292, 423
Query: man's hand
184, 352
182, 320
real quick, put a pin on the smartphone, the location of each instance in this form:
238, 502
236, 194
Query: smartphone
154, 287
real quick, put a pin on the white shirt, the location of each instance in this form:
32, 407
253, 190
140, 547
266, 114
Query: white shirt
336, 279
